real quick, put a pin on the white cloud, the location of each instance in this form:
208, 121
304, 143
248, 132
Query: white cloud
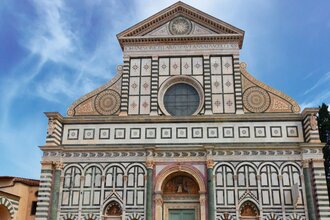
323, 80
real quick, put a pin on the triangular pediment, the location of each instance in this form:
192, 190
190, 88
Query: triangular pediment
180, 22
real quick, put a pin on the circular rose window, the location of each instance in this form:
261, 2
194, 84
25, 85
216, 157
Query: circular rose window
181, 99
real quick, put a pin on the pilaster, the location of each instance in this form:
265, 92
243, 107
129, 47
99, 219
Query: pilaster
207, 85
44, 192
238, 85
154, 86
124, 87
58, 167
150, 166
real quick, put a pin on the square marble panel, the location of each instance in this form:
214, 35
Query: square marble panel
120, 133
186, 66
175, 66
292, 131
145, 105
244, 132
145, 86
227, 65
146, 67
88, 134
215, 63
73, 134
197, 132
216, 83
133, 105
229, 103
166, 133
164, 64
212, 132
135, 67
276, 131
181, 133
197, 65
260, 132
228, 84
135, 133
134, 86
150, 133
104, 133
228, 132
217, 104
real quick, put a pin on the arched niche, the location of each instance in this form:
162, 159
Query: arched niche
4, 212
249, 211
112, 211
180, 181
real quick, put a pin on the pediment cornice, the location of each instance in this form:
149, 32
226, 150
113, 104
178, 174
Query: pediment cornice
221, 31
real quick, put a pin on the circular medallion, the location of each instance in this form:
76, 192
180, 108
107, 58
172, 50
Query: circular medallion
256, 99
180, 26
107, 102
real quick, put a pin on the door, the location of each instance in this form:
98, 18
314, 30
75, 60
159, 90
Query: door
181, 214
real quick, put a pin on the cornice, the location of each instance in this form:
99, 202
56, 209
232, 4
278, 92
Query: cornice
248, 117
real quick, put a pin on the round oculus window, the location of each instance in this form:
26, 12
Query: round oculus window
181, 99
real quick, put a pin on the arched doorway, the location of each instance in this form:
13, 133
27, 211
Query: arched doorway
249, 211
4, 213
113, 211
180, 194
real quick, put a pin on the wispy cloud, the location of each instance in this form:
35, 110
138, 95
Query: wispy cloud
323, 80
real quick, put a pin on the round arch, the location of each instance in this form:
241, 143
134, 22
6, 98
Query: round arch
167, 172
196, 174
7, 205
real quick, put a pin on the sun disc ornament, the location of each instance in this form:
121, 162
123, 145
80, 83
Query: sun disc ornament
256, 99
180, 26
107, 102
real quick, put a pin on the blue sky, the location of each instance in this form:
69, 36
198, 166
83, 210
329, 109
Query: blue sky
52, 52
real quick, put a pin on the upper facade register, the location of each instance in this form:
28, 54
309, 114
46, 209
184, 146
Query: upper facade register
182, 62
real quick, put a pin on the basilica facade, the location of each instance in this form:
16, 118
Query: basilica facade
183, 132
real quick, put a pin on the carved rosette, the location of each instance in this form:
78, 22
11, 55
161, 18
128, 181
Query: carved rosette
107, 102
180, 26
256, 99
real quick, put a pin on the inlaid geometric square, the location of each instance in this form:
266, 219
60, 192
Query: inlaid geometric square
146, 67
212, 132
150, 133
217, 105
164, 64
104, 133
228, 84
292, 131
197, 132
88, 134
197, 65
244, 132
73, 134
135, 133
145, 85
227, 65
134, 86
135, 67
228, 132
229, 103
166, 133
215, 65
175, 66
275, 131
186, 66
120, 133
181, 132
216, 84
259, 132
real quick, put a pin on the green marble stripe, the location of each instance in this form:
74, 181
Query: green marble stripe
309, 195
55, 194
210, 189
149, 194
